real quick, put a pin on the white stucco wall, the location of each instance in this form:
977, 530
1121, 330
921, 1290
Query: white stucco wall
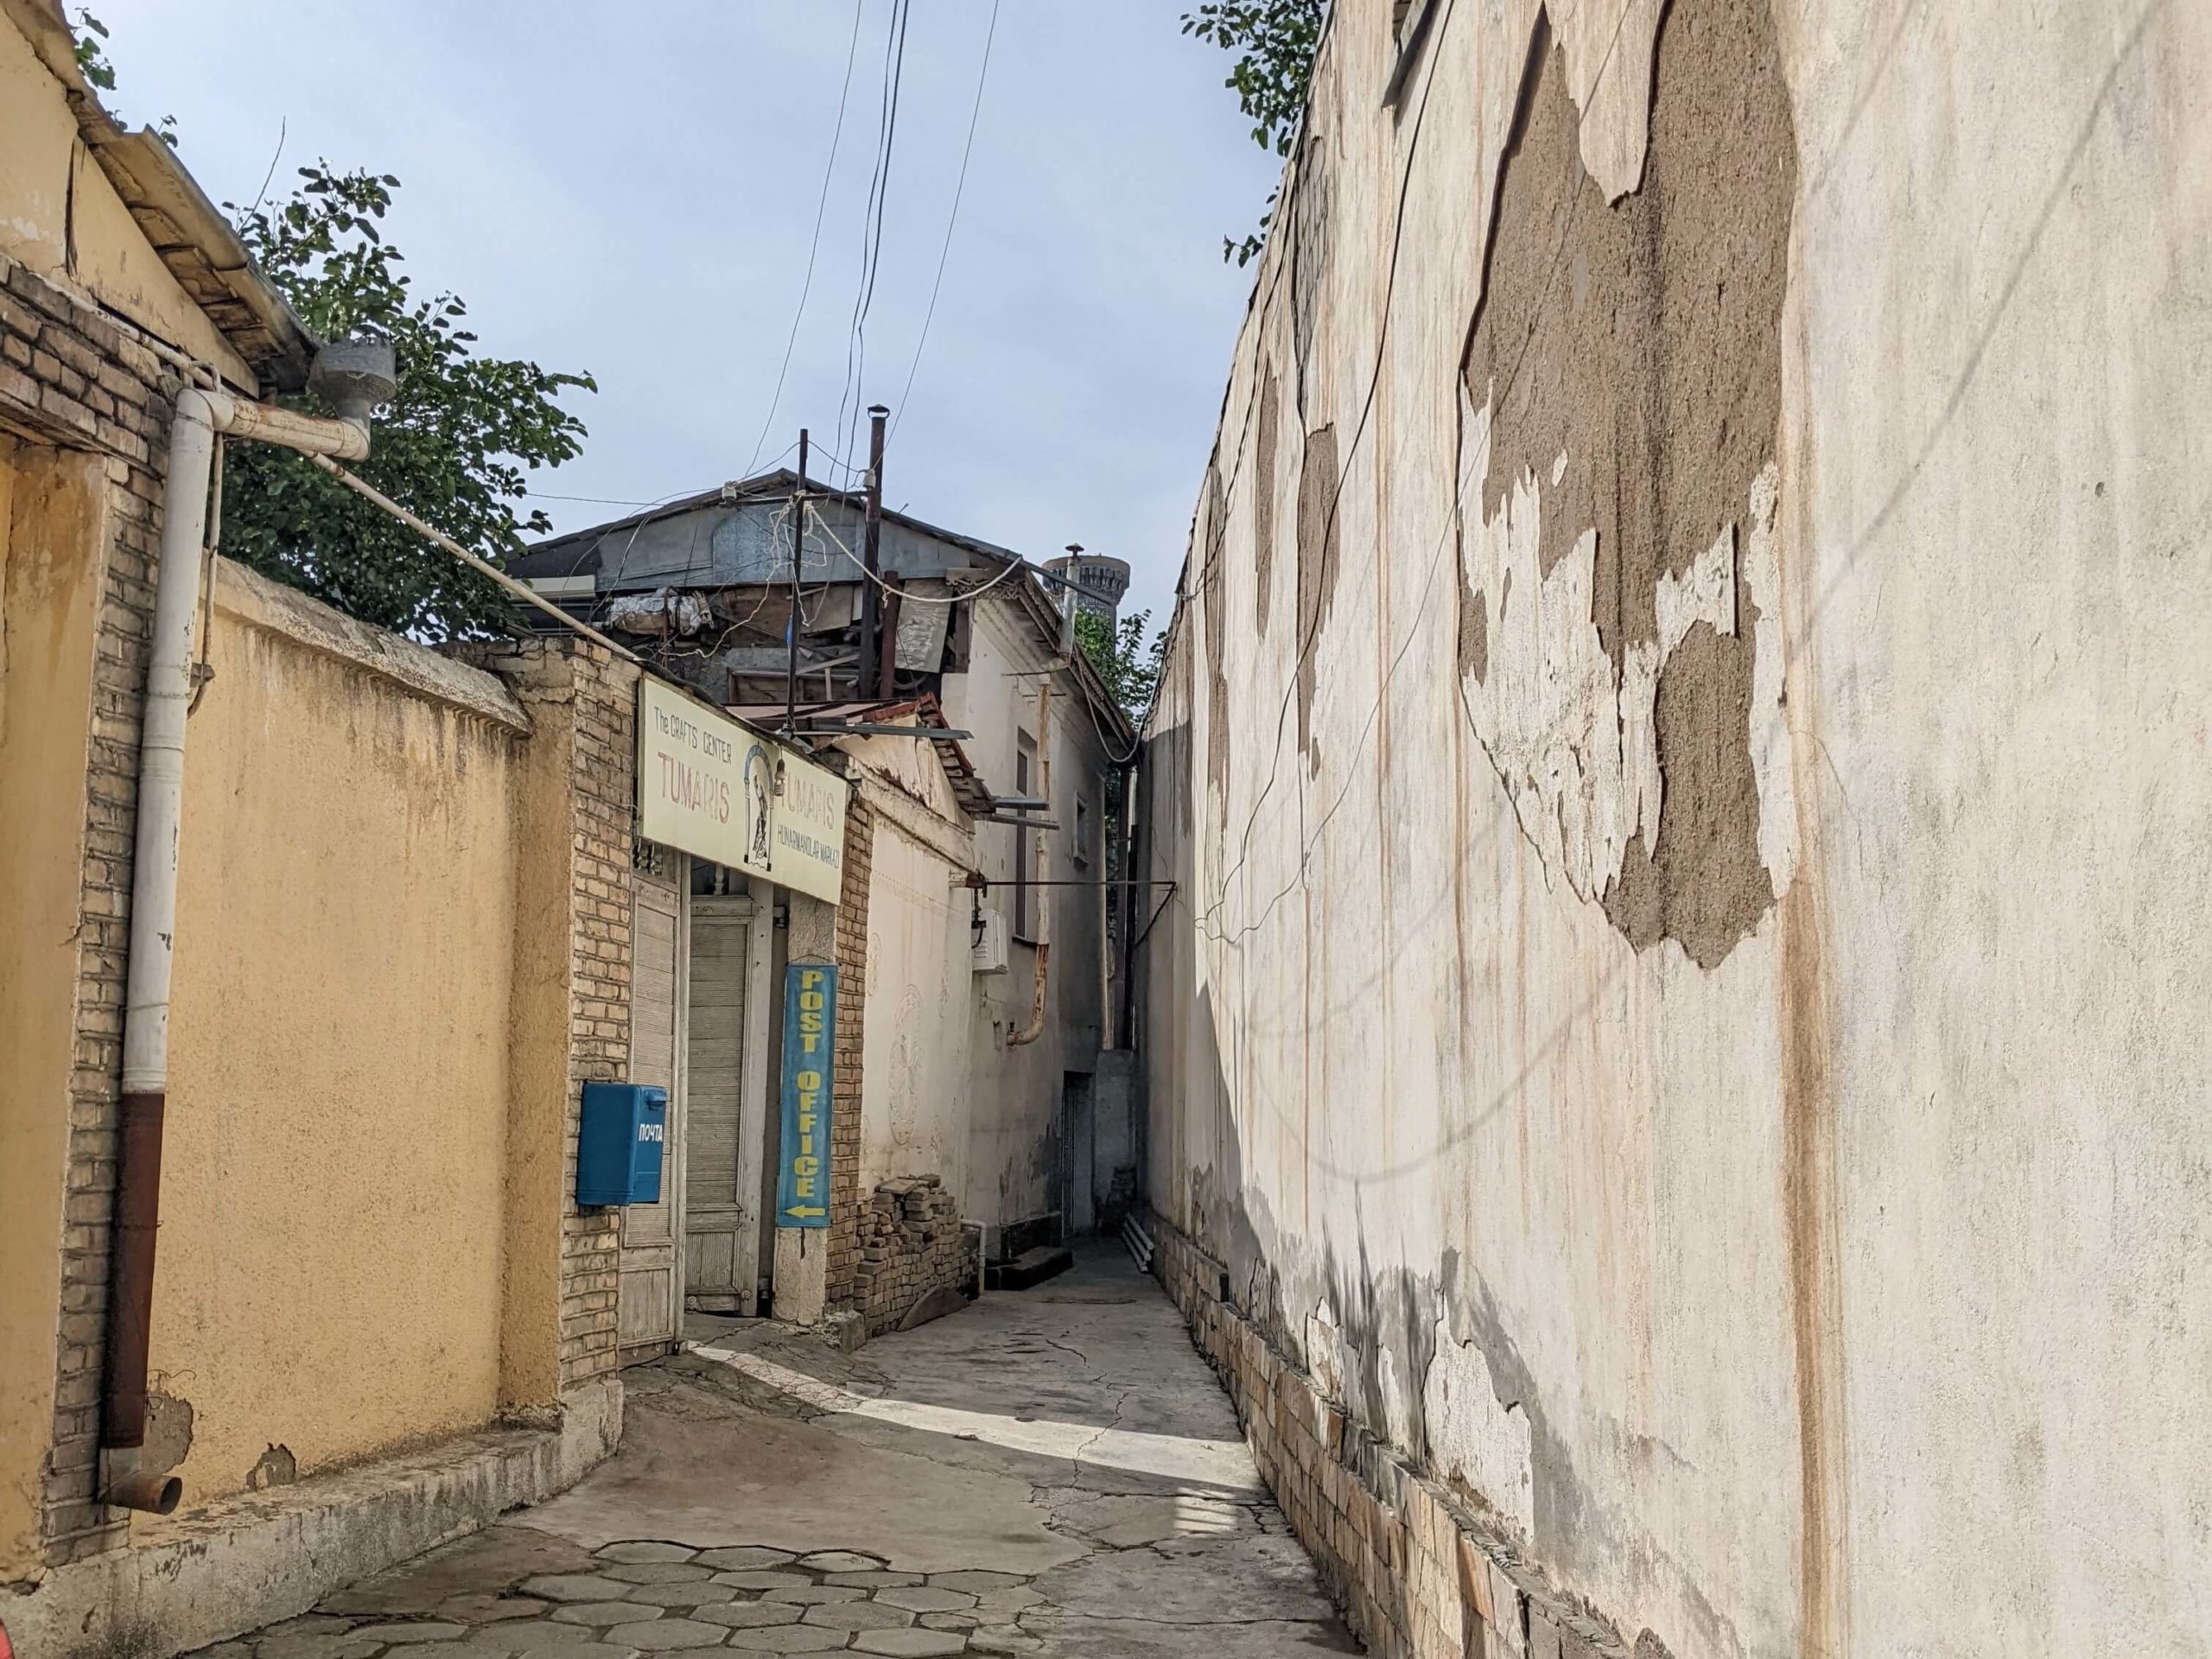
915, 1082
1014, 1147
1846, 1294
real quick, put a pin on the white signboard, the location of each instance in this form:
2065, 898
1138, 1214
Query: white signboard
710, 786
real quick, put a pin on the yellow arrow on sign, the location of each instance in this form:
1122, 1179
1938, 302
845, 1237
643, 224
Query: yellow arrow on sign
806, 1210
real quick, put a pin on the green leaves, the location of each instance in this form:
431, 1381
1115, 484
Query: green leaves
1117, 652
1275, 42
92, 62
454, 445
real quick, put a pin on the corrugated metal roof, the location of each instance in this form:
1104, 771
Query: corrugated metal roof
737, 533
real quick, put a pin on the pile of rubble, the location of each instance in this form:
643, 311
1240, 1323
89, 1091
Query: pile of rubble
917, 1261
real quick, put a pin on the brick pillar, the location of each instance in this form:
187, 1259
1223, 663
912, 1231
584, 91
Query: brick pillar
87, 404
571, 1019
599, 996
852, 1022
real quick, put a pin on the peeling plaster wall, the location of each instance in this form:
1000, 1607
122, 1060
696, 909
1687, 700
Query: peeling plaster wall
915, 1095
1683, 1000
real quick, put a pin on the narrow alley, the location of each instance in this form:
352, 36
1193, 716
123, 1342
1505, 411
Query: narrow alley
1396, 840
1052, 1471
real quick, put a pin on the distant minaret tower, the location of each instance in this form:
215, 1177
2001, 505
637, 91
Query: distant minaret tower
1099, 582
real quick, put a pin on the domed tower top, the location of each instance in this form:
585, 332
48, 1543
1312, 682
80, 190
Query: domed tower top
1099, 582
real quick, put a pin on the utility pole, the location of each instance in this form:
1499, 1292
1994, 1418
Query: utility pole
871, 677
799, 544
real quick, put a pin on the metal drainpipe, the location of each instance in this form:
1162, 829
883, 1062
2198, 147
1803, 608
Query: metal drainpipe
354, 377
1043, 863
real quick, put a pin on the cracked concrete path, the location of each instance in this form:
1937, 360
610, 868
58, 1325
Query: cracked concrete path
1051, 1471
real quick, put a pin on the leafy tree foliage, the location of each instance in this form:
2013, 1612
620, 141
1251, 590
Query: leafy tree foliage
452, 446
99, 73
1118, 653
92, 60
1275, 42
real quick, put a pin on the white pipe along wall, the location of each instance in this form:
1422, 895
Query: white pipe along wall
201, 413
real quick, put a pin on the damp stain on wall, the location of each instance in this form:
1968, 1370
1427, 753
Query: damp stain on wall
1263, 500
1213, 588
1318, 481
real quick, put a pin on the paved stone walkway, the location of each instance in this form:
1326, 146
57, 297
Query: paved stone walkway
1052, 1471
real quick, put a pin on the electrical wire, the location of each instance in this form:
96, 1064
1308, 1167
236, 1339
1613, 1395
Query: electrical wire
1344, 474
1207, 919
819, 524
680, 500
1169, 898
821, 208
1136, 743
952, 218
894, 69
1260, 309
594, 500
907, 597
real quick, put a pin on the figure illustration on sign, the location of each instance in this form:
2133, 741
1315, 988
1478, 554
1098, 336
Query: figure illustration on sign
757, 790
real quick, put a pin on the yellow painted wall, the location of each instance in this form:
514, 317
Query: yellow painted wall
90, 243
330, 1272
49, 579
538, 1048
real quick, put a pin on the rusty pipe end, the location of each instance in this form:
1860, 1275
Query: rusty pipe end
155, 1494
131, 1269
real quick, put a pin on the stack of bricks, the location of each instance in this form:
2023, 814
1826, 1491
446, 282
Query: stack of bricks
841, 1279
912, 1243
91, 397
1418, 1576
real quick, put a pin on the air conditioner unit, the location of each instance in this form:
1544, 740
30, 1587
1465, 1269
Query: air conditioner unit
989, 954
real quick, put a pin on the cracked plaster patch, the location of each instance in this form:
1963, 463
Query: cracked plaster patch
1573, 742
1473, 1436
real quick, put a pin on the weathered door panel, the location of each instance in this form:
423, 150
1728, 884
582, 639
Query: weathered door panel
725, 1089
649, 1301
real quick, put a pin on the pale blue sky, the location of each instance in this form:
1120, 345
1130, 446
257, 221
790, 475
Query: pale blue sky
632, 190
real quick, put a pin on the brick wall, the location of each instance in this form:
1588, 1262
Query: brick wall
599, 994
584, 699
841, 1289
1417, 1573
73, 377
79, 379
912, 1243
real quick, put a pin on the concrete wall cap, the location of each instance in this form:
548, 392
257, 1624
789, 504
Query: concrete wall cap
260, 602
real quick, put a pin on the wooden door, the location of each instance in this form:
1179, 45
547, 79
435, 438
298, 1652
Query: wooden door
725, 1105
649, 1299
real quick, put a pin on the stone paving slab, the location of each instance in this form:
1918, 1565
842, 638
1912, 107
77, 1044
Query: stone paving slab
1021, 1499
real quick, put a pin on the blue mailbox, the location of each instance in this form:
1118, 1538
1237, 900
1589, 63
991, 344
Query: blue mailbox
618, 1152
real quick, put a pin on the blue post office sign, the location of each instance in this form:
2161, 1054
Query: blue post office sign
809, 1028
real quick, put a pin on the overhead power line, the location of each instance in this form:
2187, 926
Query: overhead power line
813, 246
887, 137
952, 218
